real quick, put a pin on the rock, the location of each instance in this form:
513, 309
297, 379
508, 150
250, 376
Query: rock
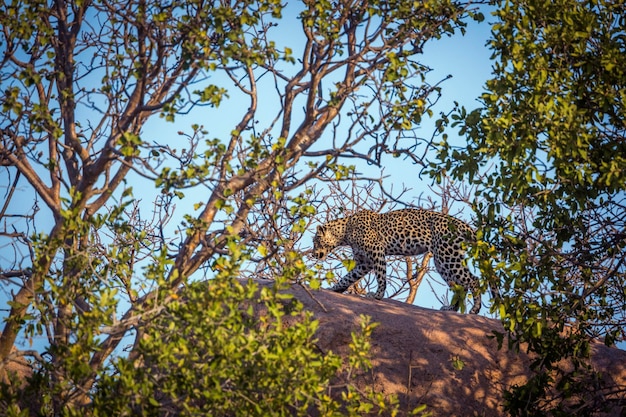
442, 359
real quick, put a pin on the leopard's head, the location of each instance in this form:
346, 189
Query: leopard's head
324, 241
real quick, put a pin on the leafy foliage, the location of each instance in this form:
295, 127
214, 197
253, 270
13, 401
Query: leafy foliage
225, 348
548, 156
124, 213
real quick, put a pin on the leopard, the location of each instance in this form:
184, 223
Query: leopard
403, 232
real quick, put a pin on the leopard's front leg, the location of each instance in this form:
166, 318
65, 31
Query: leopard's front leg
353, 276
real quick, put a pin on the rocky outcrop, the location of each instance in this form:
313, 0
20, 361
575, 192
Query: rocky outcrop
442, 359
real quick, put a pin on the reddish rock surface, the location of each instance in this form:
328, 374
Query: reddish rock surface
424, 345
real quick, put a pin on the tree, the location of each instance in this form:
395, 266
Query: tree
90, 90
547, 151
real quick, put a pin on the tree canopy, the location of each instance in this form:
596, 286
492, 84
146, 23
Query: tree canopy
154, 154
547, 154
96, 267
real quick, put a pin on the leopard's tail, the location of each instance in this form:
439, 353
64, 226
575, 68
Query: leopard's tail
477, 296
477, 301
494, 288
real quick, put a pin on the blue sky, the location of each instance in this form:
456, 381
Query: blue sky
465, 58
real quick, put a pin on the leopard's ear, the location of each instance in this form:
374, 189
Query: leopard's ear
320, 229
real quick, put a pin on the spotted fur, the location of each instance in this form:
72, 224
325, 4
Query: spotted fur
407, 232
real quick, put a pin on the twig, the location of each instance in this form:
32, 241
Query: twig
313, 297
